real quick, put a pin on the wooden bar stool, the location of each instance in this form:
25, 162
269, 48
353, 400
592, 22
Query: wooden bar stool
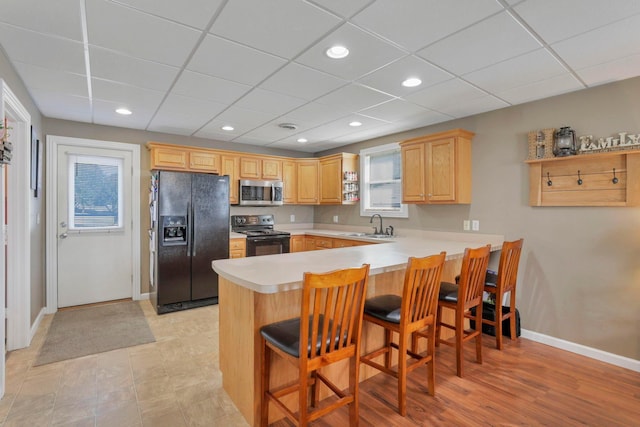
506, 282
413, 315
327, 331
461, 298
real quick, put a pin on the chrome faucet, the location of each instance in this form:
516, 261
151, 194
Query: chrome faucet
375, 230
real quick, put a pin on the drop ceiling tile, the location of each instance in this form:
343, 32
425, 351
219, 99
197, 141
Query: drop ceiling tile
182, 115
415, 24
294, 145
557, 20
485, 43
605, 44
36, 15
127, 96
608, 72
450, 92
213, 130
244, 120
312, 114
156, 39
272, 132
530, 67
339, 128
352, 98
104, 114
370, 133
389, 78
209, 88
269, 102
341, 7
110, 65
280, 27
367, 53
399, 110
302, 82
45, 51
474, 106
57, 105
232, 61
50, 80
197, 14
541, 89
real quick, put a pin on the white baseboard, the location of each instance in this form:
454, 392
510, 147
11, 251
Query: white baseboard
144, 296
34, 327
603, 356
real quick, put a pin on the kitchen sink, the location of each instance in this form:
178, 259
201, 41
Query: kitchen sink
368, 235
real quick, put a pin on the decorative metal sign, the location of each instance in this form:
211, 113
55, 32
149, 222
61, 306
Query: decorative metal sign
624, 141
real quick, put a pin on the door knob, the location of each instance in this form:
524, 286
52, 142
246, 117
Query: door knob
63, 235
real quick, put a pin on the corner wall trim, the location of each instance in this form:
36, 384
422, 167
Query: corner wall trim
143, 296
593, 353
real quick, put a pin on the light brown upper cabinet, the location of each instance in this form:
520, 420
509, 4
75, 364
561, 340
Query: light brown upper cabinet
183, 159
307, 170
436, 169
230, 165
332, 178
290, 181
258, 168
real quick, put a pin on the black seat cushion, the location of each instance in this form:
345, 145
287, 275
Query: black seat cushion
448, 292
384, 307
286, 335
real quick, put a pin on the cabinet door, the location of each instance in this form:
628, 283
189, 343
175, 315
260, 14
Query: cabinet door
308, 182
297, 244
290, 182
441, 168
331, 181
237, 248
204, 161
230, 165
168, 158
250, 168
309, 243
271, 169
413, 173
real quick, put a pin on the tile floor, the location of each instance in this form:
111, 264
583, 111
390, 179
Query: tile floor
173, 382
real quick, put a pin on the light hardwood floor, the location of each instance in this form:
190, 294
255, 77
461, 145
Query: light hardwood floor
176, 382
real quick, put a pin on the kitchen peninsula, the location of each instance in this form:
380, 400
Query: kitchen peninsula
256, 291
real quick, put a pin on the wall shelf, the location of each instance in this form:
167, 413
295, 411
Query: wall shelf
586, 180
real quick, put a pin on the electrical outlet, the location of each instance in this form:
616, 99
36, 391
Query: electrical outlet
475, 225
335, 219
466, 225
292, 218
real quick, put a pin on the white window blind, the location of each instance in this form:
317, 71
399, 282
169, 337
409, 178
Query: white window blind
381, 181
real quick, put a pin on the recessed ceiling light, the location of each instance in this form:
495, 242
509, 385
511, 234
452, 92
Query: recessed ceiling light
412, 82
355, 124
337, 52
227, 128
123, 111
302, 140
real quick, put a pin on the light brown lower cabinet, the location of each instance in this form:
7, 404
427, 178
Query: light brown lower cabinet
237, 248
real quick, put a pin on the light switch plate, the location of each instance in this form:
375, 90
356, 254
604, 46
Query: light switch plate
335, 219
292, 218
466, 225
475, 225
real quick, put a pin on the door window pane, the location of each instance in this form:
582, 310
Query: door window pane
95, 192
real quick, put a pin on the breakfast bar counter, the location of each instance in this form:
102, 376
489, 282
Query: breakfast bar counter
257, 291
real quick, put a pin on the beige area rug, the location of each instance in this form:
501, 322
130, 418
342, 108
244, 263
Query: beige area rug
91, 330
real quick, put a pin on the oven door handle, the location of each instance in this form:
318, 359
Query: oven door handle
266, 239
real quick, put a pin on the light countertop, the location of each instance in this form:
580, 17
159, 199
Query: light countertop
275, 273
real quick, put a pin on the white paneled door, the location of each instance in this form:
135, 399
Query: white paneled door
94, 227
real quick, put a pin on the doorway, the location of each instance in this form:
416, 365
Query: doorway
93, 222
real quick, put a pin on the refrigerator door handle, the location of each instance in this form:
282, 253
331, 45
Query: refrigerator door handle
189, 229
193, 231
273, 193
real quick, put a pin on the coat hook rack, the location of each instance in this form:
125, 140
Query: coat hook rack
549, 182
615, 178
579, 179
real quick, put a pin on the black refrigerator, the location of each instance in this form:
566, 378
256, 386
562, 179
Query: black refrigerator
190, 228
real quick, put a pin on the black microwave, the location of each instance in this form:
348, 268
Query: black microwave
260, 192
